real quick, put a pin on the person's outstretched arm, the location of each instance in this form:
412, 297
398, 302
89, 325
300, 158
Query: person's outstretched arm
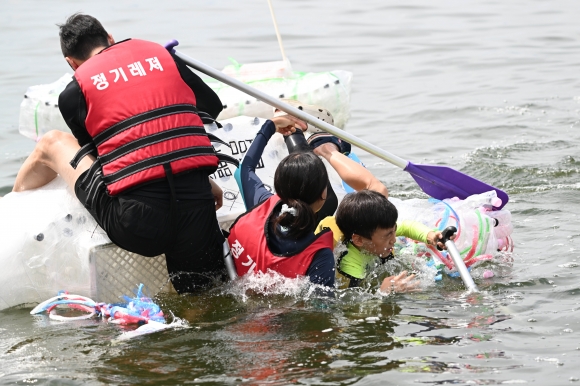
354, 174
253, 189
419, 232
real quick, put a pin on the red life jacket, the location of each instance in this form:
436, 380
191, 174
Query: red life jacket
249, 245
141, 115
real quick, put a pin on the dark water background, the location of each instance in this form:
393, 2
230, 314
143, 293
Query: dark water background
491, 88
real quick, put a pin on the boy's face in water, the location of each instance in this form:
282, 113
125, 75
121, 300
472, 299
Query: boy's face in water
381, 242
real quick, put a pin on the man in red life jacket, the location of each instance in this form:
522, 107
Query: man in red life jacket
140, 155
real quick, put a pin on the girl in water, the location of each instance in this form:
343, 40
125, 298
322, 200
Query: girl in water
278, 232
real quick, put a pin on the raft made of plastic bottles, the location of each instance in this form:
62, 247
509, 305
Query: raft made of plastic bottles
39, 111
50, 241
482, 232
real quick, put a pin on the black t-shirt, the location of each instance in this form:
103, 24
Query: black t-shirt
193, 185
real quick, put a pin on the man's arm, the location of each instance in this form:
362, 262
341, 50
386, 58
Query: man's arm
207, 99
73, 107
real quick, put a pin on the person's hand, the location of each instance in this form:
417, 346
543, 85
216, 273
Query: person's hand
218, 194
287, 124
326, 149
400, 283
434, 237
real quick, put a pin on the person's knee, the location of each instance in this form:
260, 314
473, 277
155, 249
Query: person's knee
50, 142
49, 139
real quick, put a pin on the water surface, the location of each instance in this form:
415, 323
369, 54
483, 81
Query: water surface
490, 88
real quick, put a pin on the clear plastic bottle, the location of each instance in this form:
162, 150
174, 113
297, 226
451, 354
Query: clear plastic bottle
487, 200
39, 112
503, 226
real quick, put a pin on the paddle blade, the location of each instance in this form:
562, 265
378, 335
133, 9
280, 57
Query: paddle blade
442, 182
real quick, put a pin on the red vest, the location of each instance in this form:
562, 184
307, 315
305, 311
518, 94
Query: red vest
141, 115
249, 245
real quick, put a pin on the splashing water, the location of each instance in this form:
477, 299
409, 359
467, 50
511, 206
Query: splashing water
272, 283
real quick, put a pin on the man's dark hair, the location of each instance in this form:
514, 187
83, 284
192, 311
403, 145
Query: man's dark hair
299, 180
363, 213
80, 35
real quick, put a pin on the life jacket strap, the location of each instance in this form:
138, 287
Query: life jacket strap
158, 160
214, 139
151, 140
229, 159
208, 119
353, 281
84, 151
138, 119
172, 202
91, 182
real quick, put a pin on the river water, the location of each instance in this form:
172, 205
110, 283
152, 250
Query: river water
491, 88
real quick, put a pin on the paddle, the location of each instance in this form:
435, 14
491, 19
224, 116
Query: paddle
439, 182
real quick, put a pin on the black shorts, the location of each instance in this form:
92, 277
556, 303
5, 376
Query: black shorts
192, 244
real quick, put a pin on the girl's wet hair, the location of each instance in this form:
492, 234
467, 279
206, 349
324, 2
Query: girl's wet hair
363, 213
300, 180
80, 35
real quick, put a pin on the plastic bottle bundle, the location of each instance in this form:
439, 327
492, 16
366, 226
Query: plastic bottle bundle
48, 236
480, 222
498, 221
475, 233
330, 90
503, 228
481, 231
39, 111
256, 71
137, 310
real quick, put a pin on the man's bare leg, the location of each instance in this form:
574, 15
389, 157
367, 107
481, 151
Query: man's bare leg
50, 157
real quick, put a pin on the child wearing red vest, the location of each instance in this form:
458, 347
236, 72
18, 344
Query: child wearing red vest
278, 232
